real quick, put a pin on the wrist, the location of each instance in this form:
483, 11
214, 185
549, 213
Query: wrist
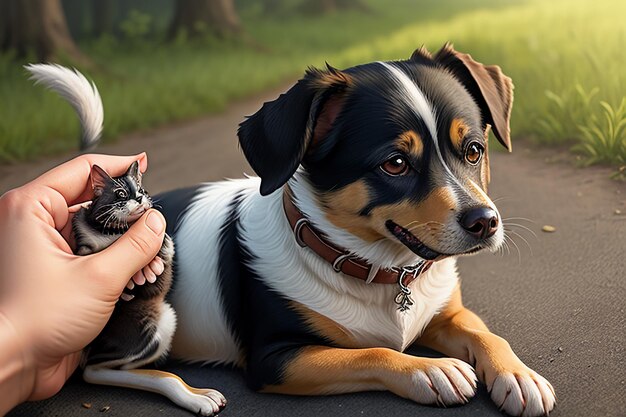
17, 365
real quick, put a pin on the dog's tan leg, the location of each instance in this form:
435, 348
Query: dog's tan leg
325, 370
515, 388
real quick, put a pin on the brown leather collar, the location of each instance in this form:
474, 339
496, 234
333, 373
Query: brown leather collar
340, 259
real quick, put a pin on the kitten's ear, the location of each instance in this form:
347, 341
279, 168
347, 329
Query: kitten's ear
99, 180
134, 172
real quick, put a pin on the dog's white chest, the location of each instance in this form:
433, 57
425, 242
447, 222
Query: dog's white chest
368, 312
377, 321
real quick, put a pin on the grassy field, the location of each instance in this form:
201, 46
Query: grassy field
566, 58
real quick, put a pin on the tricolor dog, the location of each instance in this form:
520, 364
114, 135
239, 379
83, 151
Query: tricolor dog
318, 274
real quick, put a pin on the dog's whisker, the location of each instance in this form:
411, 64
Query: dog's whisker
433, 226
519, 252
532, 232
500, 251
507, 238
495, 200
422, 224
519, 218
524, 240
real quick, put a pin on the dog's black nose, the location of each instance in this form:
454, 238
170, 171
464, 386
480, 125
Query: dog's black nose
480, 222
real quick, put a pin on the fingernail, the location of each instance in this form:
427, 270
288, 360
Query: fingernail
143, 161
158, 266
155, 222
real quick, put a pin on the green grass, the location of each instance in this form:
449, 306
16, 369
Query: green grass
566, 58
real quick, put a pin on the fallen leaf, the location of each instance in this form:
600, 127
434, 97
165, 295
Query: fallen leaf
86, 405
105, 409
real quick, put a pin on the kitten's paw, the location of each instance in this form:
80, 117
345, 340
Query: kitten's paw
205, 401
523, 393
444, 381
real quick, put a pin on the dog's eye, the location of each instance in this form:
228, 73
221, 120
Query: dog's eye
121, 193
474, 152
395, 166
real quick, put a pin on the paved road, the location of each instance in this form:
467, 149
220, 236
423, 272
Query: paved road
561, 307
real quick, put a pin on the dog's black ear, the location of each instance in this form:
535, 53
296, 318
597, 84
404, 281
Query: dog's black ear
275, 139
490, 88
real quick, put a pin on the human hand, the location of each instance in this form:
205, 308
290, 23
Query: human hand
53, 303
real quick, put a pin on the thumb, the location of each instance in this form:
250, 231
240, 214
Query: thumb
134, 250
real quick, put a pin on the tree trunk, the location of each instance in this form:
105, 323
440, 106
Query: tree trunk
37, 25
223, 18
196, 17
273, 7
102, 17
317, 7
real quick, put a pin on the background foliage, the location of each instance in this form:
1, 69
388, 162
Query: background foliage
566, 58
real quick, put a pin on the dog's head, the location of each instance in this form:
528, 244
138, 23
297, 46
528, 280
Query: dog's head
394, 150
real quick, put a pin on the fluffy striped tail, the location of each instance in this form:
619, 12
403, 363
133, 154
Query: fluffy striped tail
82, 95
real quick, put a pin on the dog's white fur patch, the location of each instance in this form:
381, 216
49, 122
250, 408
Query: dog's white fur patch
203, 333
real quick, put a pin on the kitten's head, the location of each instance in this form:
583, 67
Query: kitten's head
118, 201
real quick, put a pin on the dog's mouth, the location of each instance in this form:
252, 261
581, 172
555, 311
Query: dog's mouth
409, 240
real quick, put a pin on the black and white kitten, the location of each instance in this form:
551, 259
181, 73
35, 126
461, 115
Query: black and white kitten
117, 203
135, 333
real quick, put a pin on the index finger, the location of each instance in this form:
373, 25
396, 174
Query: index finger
71, 179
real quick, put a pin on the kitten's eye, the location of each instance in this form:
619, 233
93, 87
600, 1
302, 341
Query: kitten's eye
395, 166
474, 152
121, 193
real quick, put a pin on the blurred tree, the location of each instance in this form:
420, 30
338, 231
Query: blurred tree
78, 17
102, 16
273, 6
37, 25
329, 6
196, 17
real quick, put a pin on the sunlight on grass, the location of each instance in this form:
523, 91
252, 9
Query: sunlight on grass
566, 57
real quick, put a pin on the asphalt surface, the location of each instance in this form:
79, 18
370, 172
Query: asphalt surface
561, 307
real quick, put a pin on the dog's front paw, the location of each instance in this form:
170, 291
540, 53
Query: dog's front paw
444, 381
523, 393
205, 401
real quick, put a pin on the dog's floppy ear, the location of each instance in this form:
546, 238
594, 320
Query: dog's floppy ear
490, 88
275, 139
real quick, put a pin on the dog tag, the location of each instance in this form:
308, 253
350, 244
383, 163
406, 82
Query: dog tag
404, 300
